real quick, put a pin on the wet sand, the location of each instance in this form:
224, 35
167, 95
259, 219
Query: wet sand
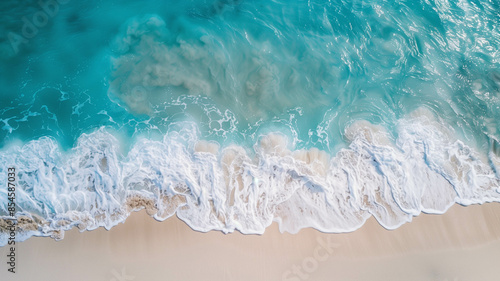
463, 244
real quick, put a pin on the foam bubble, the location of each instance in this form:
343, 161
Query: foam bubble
425, 168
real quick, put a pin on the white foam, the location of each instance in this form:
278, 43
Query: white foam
424, 169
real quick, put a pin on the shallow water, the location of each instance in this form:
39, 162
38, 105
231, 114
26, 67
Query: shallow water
235, 114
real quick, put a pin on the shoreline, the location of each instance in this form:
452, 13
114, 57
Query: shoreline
150, 250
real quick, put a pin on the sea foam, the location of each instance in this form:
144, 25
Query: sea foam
425, 168
232, 115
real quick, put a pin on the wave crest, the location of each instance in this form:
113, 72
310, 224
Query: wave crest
426, 168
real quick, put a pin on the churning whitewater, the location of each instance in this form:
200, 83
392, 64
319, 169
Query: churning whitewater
233, 115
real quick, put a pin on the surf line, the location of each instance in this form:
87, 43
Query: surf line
11, 223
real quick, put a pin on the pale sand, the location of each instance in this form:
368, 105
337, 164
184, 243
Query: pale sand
463, 244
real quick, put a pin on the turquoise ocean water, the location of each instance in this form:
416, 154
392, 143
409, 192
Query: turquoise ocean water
232, 114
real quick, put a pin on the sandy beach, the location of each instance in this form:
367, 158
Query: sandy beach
256, 117
462, 244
